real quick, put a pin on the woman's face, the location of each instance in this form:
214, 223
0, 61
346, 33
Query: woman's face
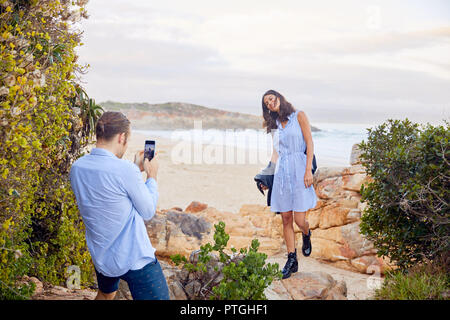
272, 102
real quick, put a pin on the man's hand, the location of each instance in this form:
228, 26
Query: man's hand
139, 160
151, 167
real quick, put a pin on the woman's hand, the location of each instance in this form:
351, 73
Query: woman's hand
308, 179
264, 187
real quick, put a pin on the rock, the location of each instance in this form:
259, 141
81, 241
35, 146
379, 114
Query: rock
39, 286
353, 215
355, 155
312, 286
333, 215
61, 293
123, 293
277, 291
196, 206
192, 288
341, 288
176, 291
190, 225
327, 250
313, 218
362, 263
354, 182
323, 173
356, 242
178, 233
330, 188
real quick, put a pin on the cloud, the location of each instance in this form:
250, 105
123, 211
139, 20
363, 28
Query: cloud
323, 56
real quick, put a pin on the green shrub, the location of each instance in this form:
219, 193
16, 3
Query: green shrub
407, 214
428, 281
244, 276
41, 232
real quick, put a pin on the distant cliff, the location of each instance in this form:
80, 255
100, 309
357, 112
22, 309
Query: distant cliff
177, 115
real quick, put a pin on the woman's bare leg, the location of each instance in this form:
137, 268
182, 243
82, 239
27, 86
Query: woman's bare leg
300, 220
288, 230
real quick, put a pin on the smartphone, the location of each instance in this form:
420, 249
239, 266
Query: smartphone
149, 150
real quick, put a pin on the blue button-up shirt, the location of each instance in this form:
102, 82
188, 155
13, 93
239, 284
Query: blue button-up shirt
114, 201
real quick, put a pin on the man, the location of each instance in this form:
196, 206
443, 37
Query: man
114, 201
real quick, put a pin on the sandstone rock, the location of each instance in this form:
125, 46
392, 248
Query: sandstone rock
192, 288
190, 225
353, 215
340, 243
195, 206
176, 291
330, 188
313, 218
358, 168
39, 286
362, 263
177, 233
276, 291
328, 250
123, 293
355, 154
333, 215
354, 181
313, 286
60, 293
333, 234
323, 173
354, 239
347, 203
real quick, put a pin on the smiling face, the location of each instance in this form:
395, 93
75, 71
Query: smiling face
272, 102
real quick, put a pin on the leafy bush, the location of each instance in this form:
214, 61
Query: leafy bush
407, 214
41, 232
428, 281
242, 276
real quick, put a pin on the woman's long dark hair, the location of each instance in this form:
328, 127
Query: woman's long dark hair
270, 118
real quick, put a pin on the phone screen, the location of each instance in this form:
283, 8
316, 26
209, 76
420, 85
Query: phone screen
149, 150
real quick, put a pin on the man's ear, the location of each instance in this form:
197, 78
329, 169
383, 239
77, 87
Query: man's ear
122, 138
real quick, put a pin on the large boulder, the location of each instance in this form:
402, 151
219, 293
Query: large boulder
196, 206
307, 286
174, 232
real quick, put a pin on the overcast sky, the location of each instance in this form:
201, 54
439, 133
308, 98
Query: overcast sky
345, 61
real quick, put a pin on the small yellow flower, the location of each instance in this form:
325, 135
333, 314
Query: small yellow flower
39, 47
8, 9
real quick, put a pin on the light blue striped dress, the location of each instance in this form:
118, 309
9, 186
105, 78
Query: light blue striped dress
288, 191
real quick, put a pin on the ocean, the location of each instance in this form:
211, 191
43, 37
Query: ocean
332, 145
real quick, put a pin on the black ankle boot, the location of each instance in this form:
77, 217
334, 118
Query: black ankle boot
291, 265
307, 248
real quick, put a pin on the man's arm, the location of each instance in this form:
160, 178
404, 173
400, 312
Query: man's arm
144, 196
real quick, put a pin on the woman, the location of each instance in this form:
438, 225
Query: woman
292, 191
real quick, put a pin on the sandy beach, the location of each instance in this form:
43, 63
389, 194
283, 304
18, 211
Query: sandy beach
225, 187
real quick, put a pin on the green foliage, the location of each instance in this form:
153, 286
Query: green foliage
244, 276
420, 284
41, 232
89, 111
407, 216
